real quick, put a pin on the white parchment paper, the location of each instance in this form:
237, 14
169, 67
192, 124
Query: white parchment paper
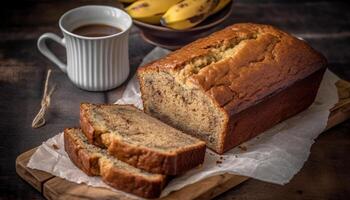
274, 156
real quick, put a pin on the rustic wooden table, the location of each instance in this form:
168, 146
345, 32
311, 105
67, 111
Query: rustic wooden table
324, 24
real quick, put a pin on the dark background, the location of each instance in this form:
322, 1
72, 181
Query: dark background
324, 24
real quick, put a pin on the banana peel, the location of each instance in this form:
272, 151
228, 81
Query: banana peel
175, 14
150, 20
149, 8
185, 24
187, 9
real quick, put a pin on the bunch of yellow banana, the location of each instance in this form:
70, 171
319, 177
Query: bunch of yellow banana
149, 11
176, 14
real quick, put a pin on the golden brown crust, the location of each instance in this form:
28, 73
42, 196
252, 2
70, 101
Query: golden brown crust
132, 184
156, 162
116, 177
144, 158
267, 52
265, 61
274, 109
92, 135
80, 157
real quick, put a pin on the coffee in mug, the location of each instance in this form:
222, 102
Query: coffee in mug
96, 41
96, 30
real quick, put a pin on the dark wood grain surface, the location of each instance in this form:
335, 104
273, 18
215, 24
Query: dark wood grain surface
324, 24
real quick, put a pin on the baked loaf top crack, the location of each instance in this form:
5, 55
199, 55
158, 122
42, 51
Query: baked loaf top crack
241, 64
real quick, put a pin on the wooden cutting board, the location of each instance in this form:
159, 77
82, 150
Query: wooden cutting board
54, 188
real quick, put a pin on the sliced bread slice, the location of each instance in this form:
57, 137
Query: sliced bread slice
139, 139
95, 161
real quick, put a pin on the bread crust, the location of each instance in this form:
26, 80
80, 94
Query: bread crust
174, 163
289, 58
268, 61
270, 111
118, 178
80, 157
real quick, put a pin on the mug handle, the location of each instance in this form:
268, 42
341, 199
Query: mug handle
42, 46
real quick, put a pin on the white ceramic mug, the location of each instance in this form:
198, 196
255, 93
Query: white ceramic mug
93, 63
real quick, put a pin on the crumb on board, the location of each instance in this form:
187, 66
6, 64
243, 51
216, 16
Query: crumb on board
242, 148
218, 162
55, 146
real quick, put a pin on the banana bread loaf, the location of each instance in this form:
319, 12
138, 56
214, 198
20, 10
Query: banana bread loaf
139, 139
95, 161
232, 85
